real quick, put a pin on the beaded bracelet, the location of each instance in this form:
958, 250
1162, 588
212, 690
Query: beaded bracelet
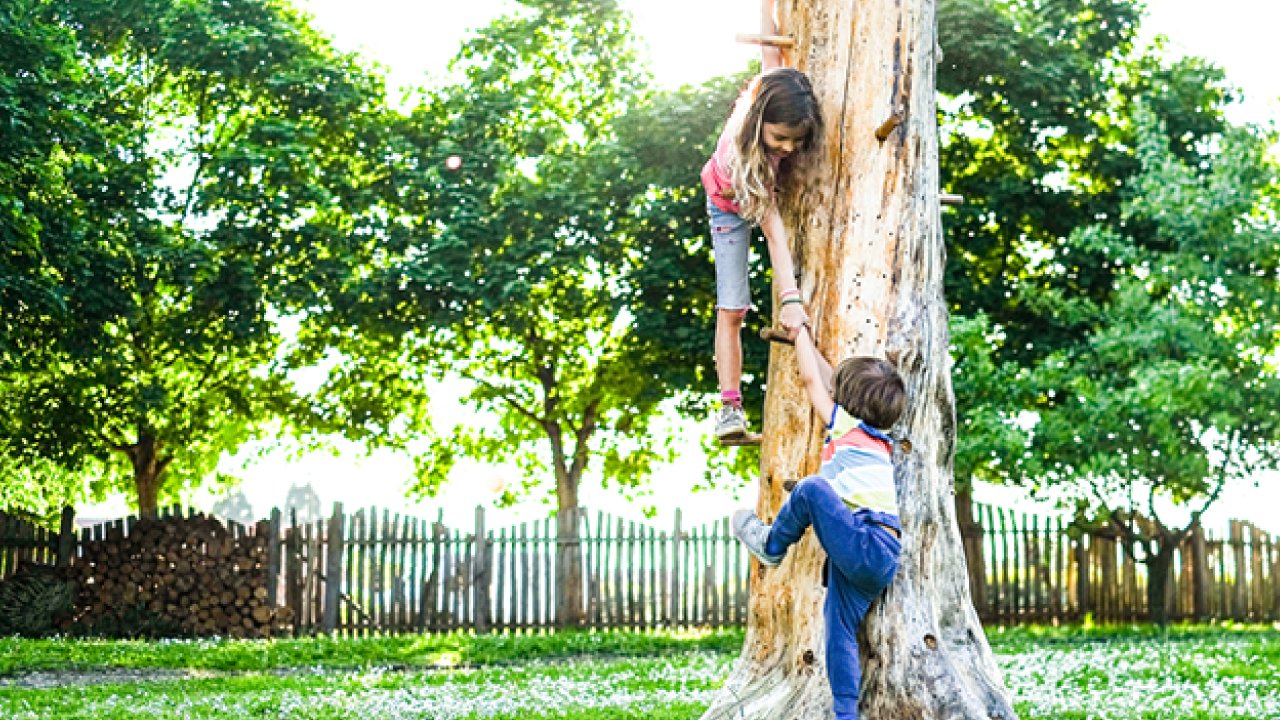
792, 300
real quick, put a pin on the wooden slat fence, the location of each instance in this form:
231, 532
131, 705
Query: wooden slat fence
22, 541
1034, 569
374, 571
403, 574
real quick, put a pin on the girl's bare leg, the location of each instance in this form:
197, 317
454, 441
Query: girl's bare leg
729, 348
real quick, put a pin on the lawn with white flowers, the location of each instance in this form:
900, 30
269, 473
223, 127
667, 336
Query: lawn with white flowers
1129, 675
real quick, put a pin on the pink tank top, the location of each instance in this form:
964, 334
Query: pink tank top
715, 175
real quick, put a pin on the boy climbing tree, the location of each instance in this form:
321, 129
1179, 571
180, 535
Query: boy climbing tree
851, 504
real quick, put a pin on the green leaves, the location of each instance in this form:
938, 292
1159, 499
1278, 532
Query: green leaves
528, 266
227, 167
1038, 136
1174, 393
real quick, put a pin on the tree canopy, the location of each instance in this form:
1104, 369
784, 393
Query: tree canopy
1174, 394
534, 253
230, 152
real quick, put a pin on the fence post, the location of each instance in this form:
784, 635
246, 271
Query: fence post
333, 570
482, 588
1239, 604
67, 537
431, 592
273, 559
675, 573
1082, 574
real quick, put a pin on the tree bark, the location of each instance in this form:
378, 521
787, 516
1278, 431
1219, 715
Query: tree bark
1199, 569
569, 606
872, 258
148, 468
971, 531
1159, 575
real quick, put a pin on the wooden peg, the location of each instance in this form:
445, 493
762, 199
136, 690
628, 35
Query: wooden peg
889, 125
743, 440
782, 41
770, 334
949, 199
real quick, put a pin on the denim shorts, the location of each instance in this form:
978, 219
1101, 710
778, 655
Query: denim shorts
731, 240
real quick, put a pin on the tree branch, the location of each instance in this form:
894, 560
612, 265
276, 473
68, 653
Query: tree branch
504, 396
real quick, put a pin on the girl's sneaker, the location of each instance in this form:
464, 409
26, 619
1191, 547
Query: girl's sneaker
731, 422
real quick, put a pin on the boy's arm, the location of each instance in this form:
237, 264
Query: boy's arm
770, 57
815, 373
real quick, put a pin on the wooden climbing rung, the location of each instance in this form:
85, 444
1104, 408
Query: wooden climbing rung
782, 41
770, 334
746, 439
949, 199
885, 130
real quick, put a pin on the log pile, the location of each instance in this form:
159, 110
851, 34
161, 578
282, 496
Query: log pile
189, 571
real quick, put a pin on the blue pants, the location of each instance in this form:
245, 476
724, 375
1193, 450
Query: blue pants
864, 558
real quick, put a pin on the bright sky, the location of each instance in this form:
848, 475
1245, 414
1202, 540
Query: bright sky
687, 42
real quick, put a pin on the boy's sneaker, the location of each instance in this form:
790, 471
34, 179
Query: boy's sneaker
754, 535
731, 422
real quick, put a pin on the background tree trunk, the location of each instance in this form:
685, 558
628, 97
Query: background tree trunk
872, 258
569, 606
148, 467
1159, 577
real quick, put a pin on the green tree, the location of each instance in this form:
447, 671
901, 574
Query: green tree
1036, 106
50, 147
1174, 395
237, 155
537, 251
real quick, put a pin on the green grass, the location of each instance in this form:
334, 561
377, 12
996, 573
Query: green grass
1212, 672
1011, 638
672, 687
17, 655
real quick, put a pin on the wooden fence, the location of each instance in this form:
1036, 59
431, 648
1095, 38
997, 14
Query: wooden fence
375, 571
1033, 569
403, 574
22, 541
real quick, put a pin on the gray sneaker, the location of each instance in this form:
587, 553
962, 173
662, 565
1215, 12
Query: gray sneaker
731, 422
754, 535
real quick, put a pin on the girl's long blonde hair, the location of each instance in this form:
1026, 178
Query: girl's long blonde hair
781, 95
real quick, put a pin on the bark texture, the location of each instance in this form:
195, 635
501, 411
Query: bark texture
148, 467
871, 258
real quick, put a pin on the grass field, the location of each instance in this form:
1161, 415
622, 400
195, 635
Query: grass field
1199, 673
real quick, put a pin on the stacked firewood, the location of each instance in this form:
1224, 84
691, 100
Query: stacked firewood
189, 571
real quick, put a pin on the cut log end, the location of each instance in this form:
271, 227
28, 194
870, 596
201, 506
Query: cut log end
746, 439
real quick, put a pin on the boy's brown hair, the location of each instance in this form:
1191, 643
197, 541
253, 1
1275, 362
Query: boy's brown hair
870, 389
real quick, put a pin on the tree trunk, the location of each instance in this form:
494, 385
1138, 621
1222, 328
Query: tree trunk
1199, 570
872, 259
148, 467
1159, 581
569, 606
971, 532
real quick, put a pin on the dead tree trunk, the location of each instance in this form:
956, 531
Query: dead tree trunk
872, 259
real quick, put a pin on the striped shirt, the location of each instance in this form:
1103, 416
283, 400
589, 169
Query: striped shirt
857, 462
